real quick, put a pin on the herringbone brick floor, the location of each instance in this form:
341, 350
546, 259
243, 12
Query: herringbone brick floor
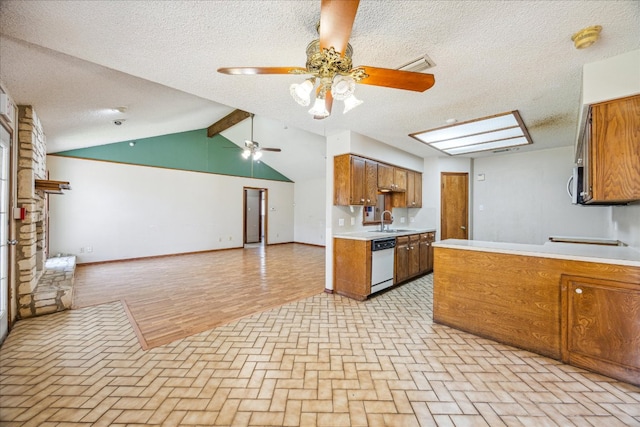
325, 360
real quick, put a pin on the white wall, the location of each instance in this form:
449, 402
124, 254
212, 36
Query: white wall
625, 222
524, 199
123, 211
310, 212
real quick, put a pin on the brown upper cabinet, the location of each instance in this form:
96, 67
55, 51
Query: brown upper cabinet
385, 177
355, 181
399, 179
611, 150
412, 197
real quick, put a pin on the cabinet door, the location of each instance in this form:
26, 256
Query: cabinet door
614, 151
431, 236
402, 259
410, 194
426, 252
399, 179
417, 190
601, 326
385, 177
413, 195
371, 183
357, 196
414, 255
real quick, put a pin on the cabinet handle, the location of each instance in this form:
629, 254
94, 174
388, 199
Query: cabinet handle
362, 200
578, 291
463, 227
368, 200
407, 247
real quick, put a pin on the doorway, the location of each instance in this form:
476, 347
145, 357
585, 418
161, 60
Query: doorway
255, 217
454, 205
5, 143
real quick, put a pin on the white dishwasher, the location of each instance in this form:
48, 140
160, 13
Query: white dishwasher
382, 263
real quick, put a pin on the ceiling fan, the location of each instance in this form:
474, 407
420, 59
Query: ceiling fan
252, 148
329, 63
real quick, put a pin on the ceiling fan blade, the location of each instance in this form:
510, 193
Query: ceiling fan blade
262, 70
408, 80
336, 22
277, 150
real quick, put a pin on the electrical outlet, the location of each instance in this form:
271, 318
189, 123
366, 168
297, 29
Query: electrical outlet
341, 222
89, 248
230, 238
412, 219
353, 221
81, 250
402, 220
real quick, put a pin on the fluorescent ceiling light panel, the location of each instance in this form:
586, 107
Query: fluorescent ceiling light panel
488, 133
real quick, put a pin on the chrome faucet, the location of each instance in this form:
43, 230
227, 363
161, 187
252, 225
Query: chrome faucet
382, 220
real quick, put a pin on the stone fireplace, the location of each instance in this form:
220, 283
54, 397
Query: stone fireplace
31, 248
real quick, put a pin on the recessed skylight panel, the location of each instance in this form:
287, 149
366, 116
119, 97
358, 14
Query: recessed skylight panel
499, 131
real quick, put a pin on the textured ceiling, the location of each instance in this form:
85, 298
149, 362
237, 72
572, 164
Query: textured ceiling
73, 60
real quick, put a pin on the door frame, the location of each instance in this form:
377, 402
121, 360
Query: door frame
10, 232
263, 212
442, 198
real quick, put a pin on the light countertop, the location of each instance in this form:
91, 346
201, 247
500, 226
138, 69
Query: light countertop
371, 235
621, 255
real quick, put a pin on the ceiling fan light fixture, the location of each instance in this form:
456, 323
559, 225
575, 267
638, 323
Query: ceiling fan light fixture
257, 155
246, 153
319, 108
301, 93
342, 87
350, 103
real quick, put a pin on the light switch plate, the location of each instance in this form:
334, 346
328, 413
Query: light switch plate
7, 109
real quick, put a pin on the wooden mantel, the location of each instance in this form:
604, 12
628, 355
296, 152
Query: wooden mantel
52, 187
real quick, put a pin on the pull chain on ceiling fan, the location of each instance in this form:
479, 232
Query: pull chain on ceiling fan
329, 63
252, 148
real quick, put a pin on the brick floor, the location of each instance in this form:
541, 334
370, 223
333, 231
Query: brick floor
321, 361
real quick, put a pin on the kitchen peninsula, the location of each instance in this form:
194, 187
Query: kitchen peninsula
576, 303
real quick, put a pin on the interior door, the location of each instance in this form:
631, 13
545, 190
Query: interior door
4, 232
252, 215
454, 205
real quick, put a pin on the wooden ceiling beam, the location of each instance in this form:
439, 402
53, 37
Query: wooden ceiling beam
235, 117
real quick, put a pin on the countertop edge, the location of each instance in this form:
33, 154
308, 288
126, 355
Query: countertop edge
629, 256
372, 235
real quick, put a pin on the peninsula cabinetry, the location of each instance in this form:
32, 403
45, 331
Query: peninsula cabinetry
601, 328
580, 312
610, 152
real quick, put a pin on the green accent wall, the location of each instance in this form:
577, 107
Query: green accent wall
190, 151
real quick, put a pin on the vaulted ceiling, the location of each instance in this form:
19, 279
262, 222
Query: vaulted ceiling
75, 60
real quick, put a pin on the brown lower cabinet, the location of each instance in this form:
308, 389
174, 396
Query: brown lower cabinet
414, 256
583, 313
601, 326
352, 263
